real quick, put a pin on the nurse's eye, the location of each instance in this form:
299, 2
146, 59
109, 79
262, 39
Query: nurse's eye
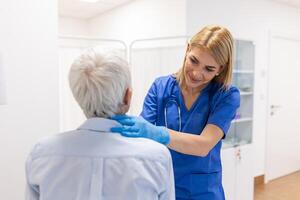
193, 60
209, 68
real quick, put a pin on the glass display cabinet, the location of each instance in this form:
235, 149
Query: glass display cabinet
240, 132
237, 151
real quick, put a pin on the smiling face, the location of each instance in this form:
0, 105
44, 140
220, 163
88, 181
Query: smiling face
199, 68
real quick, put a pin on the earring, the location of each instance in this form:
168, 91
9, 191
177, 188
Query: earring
217, 74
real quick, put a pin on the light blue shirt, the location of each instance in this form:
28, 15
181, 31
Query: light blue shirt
91, 163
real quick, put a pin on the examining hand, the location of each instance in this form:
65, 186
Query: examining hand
139, 127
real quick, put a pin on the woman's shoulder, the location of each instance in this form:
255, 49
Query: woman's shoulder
220, 93
165, 80
219, 90
163, 86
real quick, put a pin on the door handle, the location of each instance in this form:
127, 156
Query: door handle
275, 106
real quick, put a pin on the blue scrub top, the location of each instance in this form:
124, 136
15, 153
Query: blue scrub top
196, 178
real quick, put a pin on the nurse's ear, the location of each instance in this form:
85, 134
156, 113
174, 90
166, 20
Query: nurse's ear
220, 70
126, 101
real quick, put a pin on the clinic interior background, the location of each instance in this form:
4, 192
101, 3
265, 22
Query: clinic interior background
34, 98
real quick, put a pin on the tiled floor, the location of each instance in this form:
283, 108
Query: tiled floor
284, 188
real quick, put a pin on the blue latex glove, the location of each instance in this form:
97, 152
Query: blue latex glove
139, 127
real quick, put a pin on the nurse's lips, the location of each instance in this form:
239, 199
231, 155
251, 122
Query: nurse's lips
193, 80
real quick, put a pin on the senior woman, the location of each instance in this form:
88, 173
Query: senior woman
90, 162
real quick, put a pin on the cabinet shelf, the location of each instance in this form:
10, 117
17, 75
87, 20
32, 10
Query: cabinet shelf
246, 119
246, 93
243, 71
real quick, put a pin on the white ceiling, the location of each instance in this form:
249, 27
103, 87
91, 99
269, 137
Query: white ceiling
86, 10
294, 3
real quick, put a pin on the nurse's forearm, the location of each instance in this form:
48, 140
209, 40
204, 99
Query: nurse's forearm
198, 145
188, 144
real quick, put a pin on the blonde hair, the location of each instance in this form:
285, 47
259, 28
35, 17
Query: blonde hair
218, 42
98, 81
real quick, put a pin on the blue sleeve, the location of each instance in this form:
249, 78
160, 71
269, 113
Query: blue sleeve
225, 109
149, 111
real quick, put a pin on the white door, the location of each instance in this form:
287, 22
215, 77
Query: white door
283, 135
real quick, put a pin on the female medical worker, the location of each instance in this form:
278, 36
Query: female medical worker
191, 112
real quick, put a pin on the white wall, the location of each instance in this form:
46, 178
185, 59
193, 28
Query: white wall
28, 39
72, 26
248, 20
141, 19
2, 83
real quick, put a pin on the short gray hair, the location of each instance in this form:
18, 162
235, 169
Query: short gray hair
99, 81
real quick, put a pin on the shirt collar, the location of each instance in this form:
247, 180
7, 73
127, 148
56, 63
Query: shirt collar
99, 124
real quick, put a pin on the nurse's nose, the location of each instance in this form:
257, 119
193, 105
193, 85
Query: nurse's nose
197, 74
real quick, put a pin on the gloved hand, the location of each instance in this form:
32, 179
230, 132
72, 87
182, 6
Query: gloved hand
139, 127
